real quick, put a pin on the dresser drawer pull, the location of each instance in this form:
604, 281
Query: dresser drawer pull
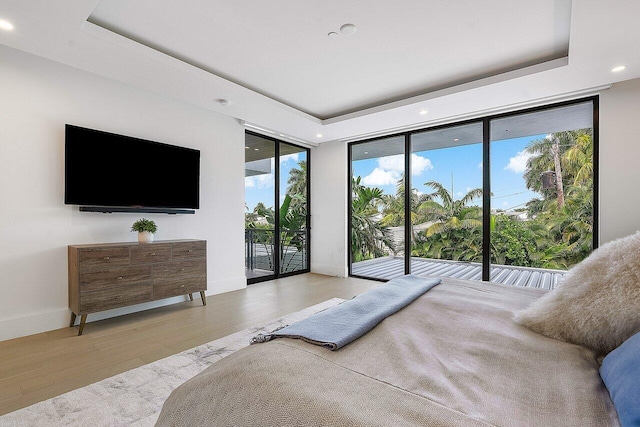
118, 297
190, 250
119, 278
107, 258
182, 269
153, 254
182, 286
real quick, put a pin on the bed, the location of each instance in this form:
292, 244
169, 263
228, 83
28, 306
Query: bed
453, 357
462, 354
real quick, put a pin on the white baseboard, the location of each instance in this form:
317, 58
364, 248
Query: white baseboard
226, 285
34, 324
57, 319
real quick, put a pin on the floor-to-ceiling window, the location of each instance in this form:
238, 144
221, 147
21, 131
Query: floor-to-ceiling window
508, 198
276, 208
542, 183
377, 205
293, 215
447, 198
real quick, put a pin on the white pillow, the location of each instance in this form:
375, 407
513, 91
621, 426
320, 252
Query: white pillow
597, 304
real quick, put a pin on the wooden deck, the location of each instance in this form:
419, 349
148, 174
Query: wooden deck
390, 267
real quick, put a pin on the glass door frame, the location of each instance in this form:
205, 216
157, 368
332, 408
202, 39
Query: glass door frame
276, 188
486, 180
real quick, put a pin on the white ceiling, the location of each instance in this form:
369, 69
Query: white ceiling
277, 68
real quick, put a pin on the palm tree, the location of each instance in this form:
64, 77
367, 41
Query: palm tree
369, 238
568, 226
297, 181
575, 151
455, 232
450, 214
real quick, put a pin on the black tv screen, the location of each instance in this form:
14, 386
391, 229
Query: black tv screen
105, 169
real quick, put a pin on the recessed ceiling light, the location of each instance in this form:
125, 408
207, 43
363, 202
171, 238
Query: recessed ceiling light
366, 152
222, 102
456, 139
424, 112
318, 135
246, 148
257, 149
6, 25
332, 35
348, 29
618, 68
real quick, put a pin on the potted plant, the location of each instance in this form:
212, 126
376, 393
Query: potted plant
145, 229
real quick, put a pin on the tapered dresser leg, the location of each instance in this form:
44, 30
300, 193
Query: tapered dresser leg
83, 320
73, 320
190, 297
204, 299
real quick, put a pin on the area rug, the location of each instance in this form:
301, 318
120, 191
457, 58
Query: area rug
135, 397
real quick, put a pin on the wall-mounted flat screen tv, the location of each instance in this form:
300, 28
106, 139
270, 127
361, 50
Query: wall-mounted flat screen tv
105, 169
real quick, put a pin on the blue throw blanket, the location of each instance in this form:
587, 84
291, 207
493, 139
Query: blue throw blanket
338, 326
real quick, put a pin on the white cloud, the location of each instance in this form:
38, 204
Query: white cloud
518, 163
392, 163
259, 181
420, 164
381, 177
505, 204
390, 169
396, 164
480, 165
288, 157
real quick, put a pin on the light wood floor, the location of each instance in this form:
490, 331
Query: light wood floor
42, 366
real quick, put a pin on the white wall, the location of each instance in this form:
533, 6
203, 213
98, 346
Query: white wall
329, 209
619, 174
37, 98
619, 160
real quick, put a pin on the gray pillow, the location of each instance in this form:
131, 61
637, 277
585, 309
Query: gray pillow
598, 304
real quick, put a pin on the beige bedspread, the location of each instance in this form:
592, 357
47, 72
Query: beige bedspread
454, 357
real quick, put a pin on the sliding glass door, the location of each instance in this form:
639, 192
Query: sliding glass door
276, 208
509, 198
446, 204
542, 183
293, 215
377, 208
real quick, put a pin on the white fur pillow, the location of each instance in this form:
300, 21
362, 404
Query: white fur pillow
597, 304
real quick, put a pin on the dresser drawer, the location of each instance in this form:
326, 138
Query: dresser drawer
171, 289
90, 258
180, 271
150, 254
120, 296
189, 250
108, 278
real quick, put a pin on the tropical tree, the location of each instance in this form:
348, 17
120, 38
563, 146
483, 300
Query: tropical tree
450, 214
369, 238
568, 225
576, 159
297, 181
455, 230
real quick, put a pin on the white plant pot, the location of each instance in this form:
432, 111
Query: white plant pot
145, 237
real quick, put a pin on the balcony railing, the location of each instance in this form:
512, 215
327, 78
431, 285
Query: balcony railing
259, 249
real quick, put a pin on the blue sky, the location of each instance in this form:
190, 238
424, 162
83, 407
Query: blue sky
458, 168
260, 188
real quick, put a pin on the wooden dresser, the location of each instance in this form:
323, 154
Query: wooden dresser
113, 275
